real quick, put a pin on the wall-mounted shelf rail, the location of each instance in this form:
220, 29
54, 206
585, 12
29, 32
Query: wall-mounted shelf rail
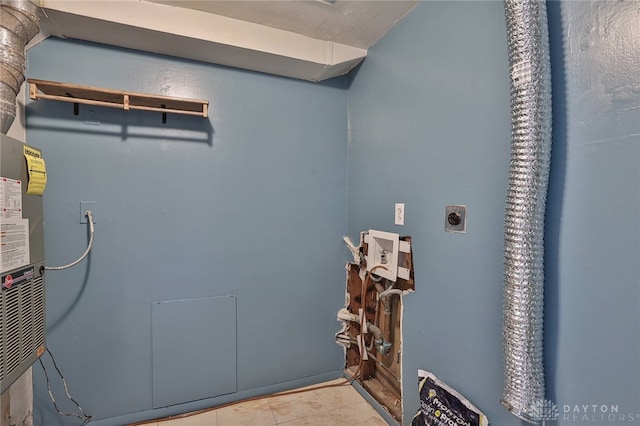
65, 92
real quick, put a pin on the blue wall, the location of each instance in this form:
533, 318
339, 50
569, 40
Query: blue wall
249, 202
429, 126
593, 272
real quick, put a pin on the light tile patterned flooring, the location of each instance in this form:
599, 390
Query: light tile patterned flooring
336, 406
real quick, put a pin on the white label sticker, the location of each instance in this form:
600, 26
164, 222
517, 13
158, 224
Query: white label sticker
521, 73
10, 198
14, 241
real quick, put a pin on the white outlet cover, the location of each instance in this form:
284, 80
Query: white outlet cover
399, 214
383, 250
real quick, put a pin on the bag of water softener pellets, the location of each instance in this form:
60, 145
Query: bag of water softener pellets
441, 405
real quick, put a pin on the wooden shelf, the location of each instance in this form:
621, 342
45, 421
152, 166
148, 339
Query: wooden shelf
41, 89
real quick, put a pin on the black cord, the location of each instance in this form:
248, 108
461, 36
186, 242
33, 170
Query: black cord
84, 417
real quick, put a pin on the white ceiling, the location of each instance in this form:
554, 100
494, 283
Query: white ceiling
306, 39
358, 23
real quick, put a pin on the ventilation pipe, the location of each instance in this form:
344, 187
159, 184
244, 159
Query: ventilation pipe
19, 23
529, 63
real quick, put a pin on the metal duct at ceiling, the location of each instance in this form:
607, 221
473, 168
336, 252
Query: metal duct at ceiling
19, 23
529, 61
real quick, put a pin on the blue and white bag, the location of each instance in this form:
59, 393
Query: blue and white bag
441, 405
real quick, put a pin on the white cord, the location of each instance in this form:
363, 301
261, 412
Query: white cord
86, 252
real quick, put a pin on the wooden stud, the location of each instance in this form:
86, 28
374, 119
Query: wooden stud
33, 91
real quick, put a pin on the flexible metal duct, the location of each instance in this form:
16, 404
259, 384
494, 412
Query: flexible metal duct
529, 62
19, 23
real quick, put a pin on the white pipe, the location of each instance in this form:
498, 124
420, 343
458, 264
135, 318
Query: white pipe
345, 315
390, 292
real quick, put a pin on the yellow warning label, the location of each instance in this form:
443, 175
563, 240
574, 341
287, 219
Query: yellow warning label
36, 170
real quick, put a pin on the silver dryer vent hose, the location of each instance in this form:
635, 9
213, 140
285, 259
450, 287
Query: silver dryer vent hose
19, 23
529, 64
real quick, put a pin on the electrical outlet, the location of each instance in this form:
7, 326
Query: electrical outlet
399, 215
455, 219
87, 205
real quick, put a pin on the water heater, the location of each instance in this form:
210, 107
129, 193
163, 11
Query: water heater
22, 295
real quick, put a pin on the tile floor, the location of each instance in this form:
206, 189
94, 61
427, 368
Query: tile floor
337, 406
